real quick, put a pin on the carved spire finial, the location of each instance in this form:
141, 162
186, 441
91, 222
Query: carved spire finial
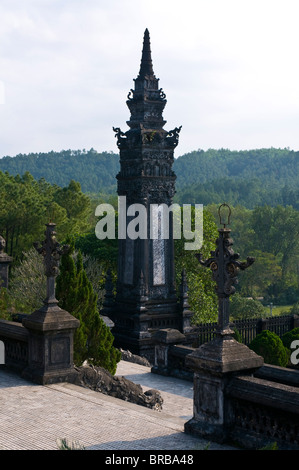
146, 67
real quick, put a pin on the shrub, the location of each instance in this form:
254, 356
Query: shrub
93, 340
28, 283
290, 336
268, 345
242, 308
6, 304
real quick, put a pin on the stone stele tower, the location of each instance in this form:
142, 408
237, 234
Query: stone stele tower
146, 298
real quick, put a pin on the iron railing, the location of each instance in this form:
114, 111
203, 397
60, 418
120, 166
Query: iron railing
248, 328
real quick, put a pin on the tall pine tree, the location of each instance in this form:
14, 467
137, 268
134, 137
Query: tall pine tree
93, 340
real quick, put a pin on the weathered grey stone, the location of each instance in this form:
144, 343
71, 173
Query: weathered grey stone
278, 374
146, 299
264, 392
213, 364
168, 336
163, 340
223, 355
130, 357
100, 380
51, 329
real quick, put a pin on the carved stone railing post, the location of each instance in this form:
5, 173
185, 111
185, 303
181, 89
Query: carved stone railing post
50, 328
163, 340
215, 362
5, 261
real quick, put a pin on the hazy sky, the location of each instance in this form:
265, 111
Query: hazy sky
229, 68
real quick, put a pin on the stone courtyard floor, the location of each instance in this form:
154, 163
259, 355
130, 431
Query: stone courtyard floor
33, 417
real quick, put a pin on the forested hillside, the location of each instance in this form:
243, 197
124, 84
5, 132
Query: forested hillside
26, 205
261, 186
94, 171
250, 178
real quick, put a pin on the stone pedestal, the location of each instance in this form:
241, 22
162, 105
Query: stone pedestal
163, 339
214, 364
51, 331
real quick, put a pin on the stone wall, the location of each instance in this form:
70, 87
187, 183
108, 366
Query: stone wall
237, 398
265, 411
15, 339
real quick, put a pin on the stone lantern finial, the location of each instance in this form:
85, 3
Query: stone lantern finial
52, 251
51, 328
217, 360
225, 266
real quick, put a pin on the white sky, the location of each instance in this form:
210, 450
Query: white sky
229, 68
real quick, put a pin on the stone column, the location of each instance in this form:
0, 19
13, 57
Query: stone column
214, 363
51, 328
5, 261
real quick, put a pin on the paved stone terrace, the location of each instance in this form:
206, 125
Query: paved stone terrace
33, 417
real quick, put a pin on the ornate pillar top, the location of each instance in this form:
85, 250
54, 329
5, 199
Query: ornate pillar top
52, 251
146, 103
50, 317
225, 266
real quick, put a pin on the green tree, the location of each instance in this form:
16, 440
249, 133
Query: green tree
7, 306
201, 287
22, 212
77, 206
295, 309
244, 308
26, 205
105, 251
264, 272
268, 345
93, 340
27, 285
277, 232
240, 225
